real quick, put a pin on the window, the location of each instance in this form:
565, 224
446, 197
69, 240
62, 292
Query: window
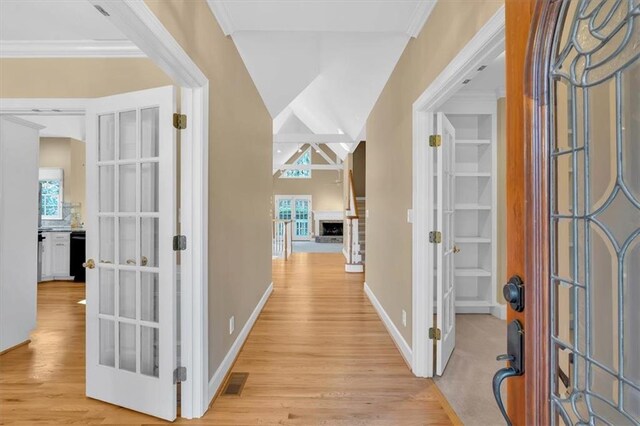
304, 159
51, 193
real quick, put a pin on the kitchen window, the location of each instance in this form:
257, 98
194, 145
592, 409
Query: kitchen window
51, 193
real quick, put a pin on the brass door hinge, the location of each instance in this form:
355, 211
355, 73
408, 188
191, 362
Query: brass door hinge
435, 237
434, 333
435, 140
179, 121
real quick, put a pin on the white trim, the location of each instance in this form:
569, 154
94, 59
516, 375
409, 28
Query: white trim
488, 42
221, 14
308, 167
230, 357
69, 49
353, 268
403, 346
43, 106
312, 137
143, 28
420, 16
499, 311
345, 253
20, 121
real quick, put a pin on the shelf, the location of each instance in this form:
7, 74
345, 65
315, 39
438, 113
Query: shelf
472, 240
472, 272
473, 142
472, 207
473, 174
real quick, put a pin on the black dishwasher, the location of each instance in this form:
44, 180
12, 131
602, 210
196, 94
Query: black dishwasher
77, 255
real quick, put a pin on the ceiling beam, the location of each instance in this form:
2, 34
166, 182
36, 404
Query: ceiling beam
312, 138
322, 153
310, 167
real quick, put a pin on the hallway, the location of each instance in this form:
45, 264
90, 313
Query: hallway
319, 354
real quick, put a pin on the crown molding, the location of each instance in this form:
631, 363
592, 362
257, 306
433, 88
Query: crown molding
69, 49
221, 14
420, 16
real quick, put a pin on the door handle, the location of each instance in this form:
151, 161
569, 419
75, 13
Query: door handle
456, 249
515, 357
144, 261
89, 264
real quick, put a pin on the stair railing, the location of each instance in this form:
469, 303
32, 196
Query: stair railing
351, 224
281, 236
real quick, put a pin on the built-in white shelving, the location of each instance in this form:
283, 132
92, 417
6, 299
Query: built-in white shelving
475, 203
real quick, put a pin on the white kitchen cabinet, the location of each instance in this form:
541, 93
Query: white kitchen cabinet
56, 256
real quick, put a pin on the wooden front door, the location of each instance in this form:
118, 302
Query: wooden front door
573, 203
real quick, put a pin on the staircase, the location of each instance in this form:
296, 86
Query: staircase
361, 202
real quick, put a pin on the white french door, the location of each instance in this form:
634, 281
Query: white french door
131, 266
296, 208
446, 249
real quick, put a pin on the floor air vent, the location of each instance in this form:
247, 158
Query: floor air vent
235, 384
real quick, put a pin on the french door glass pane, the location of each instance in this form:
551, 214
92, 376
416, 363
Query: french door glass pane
107, 342
107, 240
107, 291
127, 187
149, 187
149, 351
106, 189
127, 135
149, 133
284, 209
302, 218
127, 293
106, 139
127, 345
149, 242
149, 296
127, 241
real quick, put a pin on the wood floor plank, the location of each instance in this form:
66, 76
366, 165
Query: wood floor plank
318, 355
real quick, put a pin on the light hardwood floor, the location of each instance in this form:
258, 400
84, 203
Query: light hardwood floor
318, 354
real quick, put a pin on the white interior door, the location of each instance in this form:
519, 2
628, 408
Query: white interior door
445, 251
131, 266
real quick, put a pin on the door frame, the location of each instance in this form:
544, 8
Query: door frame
144, 29
293, 227
488, 42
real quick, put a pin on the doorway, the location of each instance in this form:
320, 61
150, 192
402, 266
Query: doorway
137, 20
458, 322
297, 209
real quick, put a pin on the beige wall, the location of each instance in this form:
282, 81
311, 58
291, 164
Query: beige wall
240, 172
360, 170
326, 194
77, 78
67, 154
389, 150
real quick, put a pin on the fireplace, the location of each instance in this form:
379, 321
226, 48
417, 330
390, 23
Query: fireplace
331, 228
330, 231
328, 226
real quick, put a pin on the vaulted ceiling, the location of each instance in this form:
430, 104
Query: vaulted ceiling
320, 65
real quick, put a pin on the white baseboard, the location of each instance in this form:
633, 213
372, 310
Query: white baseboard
345, 253
403, 346
227, 362
354, 267
499, 311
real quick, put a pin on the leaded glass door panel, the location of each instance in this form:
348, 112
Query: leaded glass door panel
594, 282
131, 303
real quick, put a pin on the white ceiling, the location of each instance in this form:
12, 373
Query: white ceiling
320, 65
399, 16
59, 28
54, 20
490, 79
